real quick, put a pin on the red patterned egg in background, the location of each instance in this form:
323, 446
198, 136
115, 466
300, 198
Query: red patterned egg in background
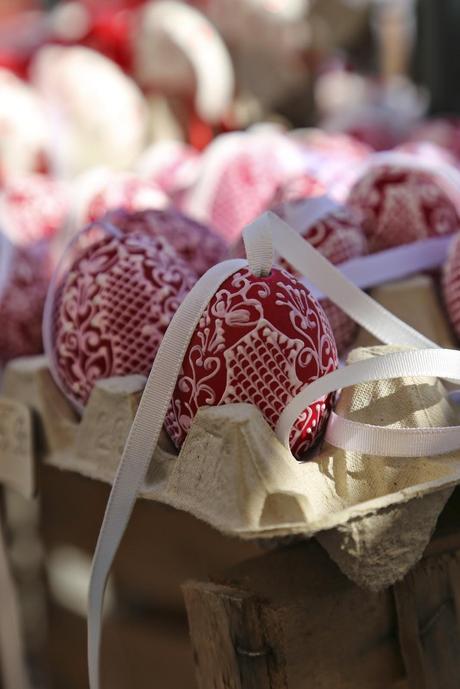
32, 208
24, 279
259, 341
109, 306
124, 191
451, 284
402, 205
194, 242
339, 237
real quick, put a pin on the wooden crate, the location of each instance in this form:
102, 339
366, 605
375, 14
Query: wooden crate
290, 620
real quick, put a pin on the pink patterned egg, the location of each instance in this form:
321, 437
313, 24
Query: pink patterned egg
337, 234
24, 279
260, 341
195, 243
402, 205
239, 176
125, 191
444, 132
451, 284
109, 306
32, 208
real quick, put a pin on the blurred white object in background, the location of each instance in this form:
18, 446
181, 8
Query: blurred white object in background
24, 133
180, 52
98, 114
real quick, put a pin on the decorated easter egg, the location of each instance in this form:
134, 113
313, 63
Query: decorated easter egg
402, 205
443, 131
24, 278
109, 305
259, 341
336, 232
172, 165
451, 284
240, 174
334, 159
123, 190
24, 131
33, 207
99, 113
194, 242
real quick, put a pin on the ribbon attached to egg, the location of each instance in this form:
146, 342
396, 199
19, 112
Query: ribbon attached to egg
267, 233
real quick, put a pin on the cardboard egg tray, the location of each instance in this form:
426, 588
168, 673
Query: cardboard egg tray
233, 473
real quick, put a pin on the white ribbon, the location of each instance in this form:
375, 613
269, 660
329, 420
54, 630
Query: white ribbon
265, 233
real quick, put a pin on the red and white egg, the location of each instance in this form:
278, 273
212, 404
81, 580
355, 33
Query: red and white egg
123, 190
32, 208
109, 306
240, 174
198, 245
259, 341
24, 279
24, 131
402, 205
99, 114
451, 284
336, 232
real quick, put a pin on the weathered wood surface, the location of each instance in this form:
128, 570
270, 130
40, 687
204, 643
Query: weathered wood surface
320, 630
314, 628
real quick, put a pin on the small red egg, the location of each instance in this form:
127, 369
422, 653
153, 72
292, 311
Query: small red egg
260, 341
339, 237
125, 191
451, 284
402, 205
109, 306
24, 278
32, 208
194, 242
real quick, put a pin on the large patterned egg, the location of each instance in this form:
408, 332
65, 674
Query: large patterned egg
402, 205
109, 306
259, 341
194, 242
33, 207
337, 234
24, 278
451, 284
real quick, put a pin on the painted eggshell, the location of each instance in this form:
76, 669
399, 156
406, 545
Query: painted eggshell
24, 130
194, 242
24, 279
240, 174
32, 208
402, 205
99, 114
451, 284
259, 341
124, 191
339, 237
109, 306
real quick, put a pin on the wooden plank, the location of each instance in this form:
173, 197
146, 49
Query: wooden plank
428, 623
299, 612
234, 639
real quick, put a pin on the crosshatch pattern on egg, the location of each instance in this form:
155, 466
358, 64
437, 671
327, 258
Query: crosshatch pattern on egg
402, 206
111, 308
260, 340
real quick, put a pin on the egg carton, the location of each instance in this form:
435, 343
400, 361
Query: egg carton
374, 515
